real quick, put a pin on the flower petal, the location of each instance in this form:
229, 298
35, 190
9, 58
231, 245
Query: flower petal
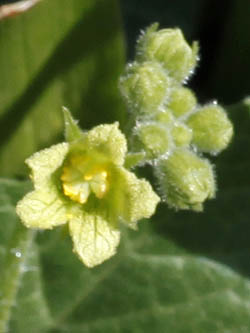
94, 239
43, 209
132, 198
45, 162
108, 140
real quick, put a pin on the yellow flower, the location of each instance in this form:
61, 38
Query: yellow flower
84, 182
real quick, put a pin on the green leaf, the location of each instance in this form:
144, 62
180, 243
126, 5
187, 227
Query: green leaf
18, 258
166, 277
73, 60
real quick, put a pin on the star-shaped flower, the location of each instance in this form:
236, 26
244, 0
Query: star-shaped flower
84, 182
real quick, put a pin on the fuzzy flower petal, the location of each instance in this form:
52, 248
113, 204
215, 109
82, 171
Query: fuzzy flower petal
94, 239
134, 198
45, 162
43, 209
106, 140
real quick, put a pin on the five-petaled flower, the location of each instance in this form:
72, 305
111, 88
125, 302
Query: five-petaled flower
84, 182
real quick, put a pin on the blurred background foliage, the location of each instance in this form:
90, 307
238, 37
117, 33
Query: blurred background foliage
183, 271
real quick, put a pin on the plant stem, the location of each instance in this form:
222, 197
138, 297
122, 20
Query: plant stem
12, 271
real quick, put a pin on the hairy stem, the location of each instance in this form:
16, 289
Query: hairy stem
12, 271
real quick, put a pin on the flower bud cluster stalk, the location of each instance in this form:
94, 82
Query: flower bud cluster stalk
170, 129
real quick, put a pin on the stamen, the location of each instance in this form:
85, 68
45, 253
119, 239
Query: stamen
80, 177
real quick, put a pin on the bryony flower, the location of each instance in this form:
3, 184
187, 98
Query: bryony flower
83, 182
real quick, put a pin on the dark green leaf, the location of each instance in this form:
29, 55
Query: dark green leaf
59, 53
157, 282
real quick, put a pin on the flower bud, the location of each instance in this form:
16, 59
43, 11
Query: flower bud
181, 101
153, 138
145, 87
165, 117
186, 180
212, 130
168, 47
181, 134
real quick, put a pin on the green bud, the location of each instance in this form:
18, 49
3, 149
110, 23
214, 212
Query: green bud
154, 139
212, 130
145, 87
182, 135
169, 47
165, 117
186, 180
181, 101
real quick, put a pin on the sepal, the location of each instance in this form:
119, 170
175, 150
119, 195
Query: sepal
72, 131
135, 159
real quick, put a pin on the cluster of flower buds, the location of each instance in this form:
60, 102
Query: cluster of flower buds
170, 129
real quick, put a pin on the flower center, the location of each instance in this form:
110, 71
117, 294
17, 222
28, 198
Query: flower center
81, 176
